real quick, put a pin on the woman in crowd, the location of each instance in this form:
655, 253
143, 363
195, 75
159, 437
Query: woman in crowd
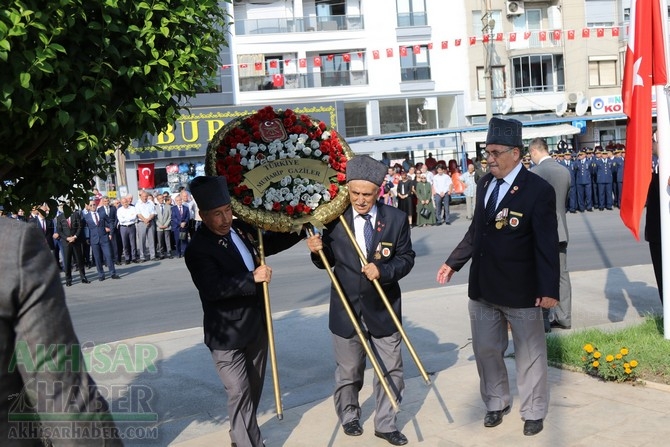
405, 192
425, 205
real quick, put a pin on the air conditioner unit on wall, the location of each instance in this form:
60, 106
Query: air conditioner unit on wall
514, 7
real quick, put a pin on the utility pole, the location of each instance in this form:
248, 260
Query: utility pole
487, 29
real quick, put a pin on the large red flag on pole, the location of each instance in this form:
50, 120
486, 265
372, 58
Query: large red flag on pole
645, 66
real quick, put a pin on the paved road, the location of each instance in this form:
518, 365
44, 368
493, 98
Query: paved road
163, 298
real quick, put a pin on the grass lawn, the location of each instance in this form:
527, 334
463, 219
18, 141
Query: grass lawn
645, 343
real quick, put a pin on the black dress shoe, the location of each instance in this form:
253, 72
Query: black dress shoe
116, 276
531, 428
494, 418
85, 281
68, 283
353, 428
556, 324
101, 279
394, 437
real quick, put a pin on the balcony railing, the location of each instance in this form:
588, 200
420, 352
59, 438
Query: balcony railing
298, 24
537, 89
304, 80
415, 74
534, 41
412, 19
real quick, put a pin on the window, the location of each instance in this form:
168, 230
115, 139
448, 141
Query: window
478, 25
600, 13
414, 64
411, 114
335, 70
498, 82
411, 12
538, 73
355, 119
602, 73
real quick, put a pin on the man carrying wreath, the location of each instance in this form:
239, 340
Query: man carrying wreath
226, 270
383, 235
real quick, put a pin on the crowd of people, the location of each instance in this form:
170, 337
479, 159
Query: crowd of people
425, 190
108, 232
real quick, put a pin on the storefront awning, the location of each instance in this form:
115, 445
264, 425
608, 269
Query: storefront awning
529, 132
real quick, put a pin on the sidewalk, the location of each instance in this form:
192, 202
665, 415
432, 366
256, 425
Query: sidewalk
191, 403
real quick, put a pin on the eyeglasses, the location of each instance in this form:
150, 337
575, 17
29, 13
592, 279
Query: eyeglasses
496, 154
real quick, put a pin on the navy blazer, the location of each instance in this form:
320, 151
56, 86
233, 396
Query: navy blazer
231, 301
393, 255
178, 219
97, 233
517, 263
111, 218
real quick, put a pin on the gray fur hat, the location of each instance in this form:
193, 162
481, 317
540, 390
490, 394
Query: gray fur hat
364, 167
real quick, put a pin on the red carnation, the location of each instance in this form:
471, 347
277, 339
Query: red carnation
247, 200
290, 210
300, 208
341, 177
276, 206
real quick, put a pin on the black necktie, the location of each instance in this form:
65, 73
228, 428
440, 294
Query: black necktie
367, 233
493, 200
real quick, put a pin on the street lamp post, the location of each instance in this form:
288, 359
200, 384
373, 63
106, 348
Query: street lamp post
487, 30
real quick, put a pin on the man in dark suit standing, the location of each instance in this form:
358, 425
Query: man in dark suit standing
98, 224
513, 244
69, 231
113, 229
180, 225
383, 234
225, 269
39, 218
559, 178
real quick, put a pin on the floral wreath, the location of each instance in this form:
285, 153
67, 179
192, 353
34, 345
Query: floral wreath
283, 169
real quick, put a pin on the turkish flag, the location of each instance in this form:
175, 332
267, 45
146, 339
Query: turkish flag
586, 33
430, 45
273, 63
499, 37
473, 40
512, 37
375, 54
287, 62
145, 175
317, 61
258, 66
302, 62
571, 34
346, 57
445, 44
557, 34
403, 51
486, 38
389, 52
543, 36
457, 42
330, 57
226, 67
278, 80
645, 66
416, 49
615, 32
526, 35
600, 32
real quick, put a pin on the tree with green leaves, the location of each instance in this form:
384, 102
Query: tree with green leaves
81, 78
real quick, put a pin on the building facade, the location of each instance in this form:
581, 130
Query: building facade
411, 77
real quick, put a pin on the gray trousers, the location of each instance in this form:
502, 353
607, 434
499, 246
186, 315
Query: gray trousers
563, 312
489, 342
164, 245
350, 357
242, 372
128, 238
146, 236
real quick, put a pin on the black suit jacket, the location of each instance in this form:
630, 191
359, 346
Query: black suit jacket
513, 265
48, 233
396, 258
75, 228
231, 301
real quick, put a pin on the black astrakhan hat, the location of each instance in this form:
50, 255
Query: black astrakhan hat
210, 192
364, 167
505, 132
